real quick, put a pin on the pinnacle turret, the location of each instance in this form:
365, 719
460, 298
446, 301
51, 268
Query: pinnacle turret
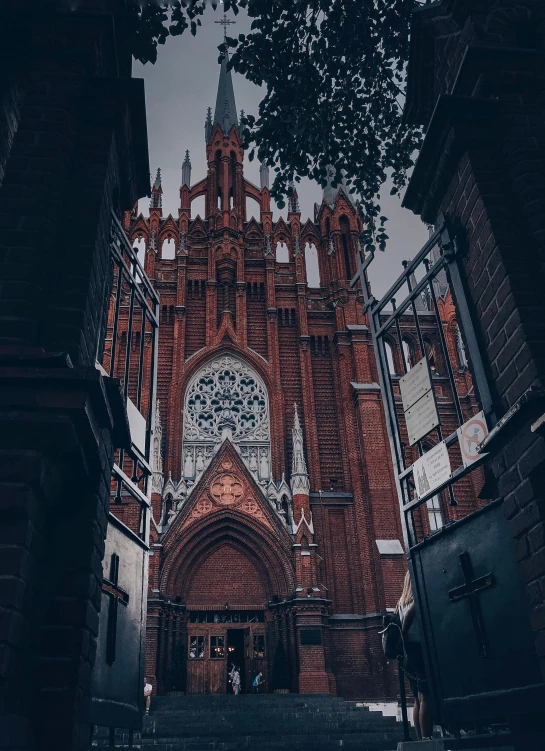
186, 170
299, 474
208, 125
293, 201
330, 192
264, 176
157, 192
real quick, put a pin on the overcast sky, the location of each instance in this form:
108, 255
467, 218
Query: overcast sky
179, 88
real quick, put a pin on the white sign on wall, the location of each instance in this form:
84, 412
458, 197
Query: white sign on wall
418, 399
414, 384
421, 418
470, 435
431, 470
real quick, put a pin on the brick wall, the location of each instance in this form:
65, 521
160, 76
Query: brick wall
227, 575
60, 178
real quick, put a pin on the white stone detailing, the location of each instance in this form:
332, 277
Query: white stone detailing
308, 523
300, 484
226, 399
279, 497
174, 497
157, 454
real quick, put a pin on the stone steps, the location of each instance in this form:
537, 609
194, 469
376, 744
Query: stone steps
266, 722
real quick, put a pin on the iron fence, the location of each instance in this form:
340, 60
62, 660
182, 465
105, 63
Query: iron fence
412, 311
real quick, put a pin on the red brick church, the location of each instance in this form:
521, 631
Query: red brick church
276, 537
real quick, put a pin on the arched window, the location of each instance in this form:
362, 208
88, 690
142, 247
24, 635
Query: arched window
311, 262
345, 240
408, 353
226, 399
198, 207
282, 252
168, 251
390, 358
285, 506
139, 244
431, 355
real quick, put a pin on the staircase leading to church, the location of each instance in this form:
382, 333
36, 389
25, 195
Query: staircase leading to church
266, 723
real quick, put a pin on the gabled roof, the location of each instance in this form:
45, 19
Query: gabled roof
253, 228
227, 485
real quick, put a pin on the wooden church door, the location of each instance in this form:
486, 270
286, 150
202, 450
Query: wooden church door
254, 651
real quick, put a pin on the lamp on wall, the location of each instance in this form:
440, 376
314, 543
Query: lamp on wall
226, 606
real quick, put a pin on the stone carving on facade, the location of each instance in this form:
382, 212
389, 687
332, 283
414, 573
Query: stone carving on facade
330, 247
182, 249
268, 246
279, 497
297, 246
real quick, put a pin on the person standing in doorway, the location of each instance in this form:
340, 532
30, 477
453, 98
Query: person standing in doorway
414, 662
148, 688
235, 680
258, 682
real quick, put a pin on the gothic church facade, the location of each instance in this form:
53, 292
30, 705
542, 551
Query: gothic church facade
276, 538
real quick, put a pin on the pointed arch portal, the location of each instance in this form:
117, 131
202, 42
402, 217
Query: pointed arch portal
227, 556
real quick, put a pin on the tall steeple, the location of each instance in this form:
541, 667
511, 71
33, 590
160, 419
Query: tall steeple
299, 474
226, 111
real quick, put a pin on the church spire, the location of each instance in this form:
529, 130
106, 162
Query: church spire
226, 111
299, 474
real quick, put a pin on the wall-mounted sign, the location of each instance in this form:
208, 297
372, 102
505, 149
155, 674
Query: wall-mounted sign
470, 435
418, 399
431, 470
415, 384
421, 418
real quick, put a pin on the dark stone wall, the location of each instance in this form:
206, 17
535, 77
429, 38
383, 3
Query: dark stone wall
72, 149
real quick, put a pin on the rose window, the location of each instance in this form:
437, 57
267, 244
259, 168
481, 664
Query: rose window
226, 399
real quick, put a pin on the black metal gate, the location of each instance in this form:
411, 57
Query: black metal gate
471, 607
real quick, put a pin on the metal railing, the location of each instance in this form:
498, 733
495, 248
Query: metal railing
130, 354
419, 287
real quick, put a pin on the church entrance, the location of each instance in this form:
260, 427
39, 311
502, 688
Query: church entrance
235, 652
219, 639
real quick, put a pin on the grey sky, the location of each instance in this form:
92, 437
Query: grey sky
180, 87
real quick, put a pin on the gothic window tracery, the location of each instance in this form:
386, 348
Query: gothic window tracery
226, 398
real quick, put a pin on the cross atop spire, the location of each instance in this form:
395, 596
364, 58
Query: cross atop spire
225, 22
